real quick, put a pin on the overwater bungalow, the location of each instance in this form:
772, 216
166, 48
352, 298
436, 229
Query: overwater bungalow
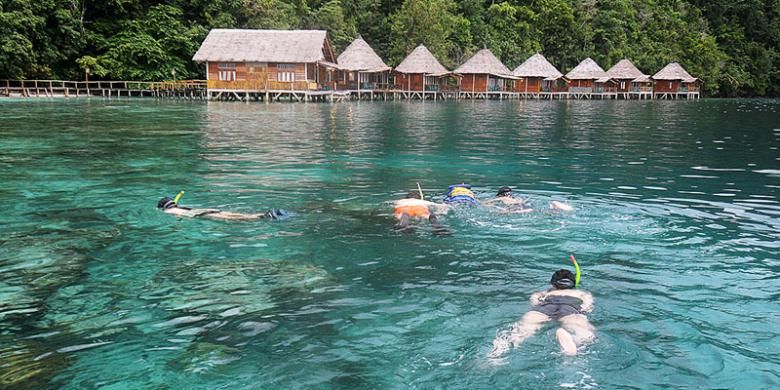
244, 62
588, 79
484, 75
362, 69
537, 75
420, 74
674, 81
630, 81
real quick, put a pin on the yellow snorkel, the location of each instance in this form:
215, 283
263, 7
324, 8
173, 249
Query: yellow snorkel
176, 199
577, 271
422, 197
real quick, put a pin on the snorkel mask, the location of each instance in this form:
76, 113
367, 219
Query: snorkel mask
504, 191
565, 279
166, 203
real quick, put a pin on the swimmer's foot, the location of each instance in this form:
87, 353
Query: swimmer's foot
566, 341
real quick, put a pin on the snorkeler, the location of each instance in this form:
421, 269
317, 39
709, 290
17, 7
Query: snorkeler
563, 303
460, 194
414, 207
171, 206
506, 202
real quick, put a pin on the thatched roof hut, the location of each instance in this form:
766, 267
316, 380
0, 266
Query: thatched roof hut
624, 70
587, 70
420, 60
484, 62
278, 46
537, 66
359, 56
674, 71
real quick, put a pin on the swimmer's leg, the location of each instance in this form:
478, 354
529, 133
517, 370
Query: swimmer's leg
404, 224
521, 330
438, 228
578, 328
566, 341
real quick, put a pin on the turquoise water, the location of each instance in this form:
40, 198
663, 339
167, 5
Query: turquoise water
676, 225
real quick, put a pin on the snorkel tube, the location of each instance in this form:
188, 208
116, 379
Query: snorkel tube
176, 199
577, 271
422, 197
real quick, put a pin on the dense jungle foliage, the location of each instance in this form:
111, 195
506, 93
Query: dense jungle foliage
732, 45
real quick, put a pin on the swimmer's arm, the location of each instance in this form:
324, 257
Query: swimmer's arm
555, 205
587, 301
537, 298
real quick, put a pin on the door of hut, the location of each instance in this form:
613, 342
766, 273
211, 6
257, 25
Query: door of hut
257, 75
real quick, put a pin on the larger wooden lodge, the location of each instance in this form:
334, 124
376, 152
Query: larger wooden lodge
244, 62
302, 65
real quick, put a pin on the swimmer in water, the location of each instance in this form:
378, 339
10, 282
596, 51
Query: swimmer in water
413, 207
170, 206
563, 303
506, 202
460, 194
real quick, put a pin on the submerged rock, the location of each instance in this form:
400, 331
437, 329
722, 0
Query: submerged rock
227, 289
26, 364
202, 357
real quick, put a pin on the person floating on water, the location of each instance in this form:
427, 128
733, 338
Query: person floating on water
507, 202
171, 206
563, 303
414, 207
460, 194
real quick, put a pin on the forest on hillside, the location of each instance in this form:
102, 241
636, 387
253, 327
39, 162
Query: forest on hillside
732, 45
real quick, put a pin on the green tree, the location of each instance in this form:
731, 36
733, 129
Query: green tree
427, 22
330, 16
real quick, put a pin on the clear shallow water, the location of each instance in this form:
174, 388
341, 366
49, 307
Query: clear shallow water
676, 225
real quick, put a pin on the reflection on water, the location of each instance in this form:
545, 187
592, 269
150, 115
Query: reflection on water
676, 226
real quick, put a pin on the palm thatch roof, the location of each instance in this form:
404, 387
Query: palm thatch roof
586, 70
420, 60
624, 69
643, 79
484, 62
359, 56
674, 71
537, 66
235, 45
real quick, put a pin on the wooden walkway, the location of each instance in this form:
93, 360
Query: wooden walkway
197, 90
187, 89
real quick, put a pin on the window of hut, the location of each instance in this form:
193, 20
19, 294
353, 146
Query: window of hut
285, 72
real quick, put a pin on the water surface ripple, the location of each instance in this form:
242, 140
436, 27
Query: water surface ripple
676, 224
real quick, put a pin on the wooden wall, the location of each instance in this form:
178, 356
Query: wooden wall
623, 85
666, 86
271, 71
214, 70
409, 81
581, 83
473, 82
300, 71
534, 84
